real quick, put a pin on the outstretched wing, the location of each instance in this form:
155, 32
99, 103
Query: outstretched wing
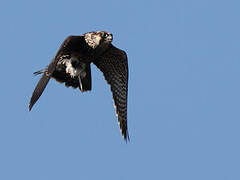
66, 48
113, 63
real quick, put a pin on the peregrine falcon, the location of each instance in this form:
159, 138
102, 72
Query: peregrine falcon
71, 65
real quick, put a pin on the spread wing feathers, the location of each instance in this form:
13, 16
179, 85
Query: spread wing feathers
113, 63
65, 49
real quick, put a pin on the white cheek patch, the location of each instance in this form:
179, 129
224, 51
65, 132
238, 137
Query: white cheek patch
93, 40
97, 40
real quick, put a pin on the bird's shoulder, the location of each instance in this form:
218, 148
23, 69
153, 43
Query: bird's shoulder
72, 43
114, 53
114, 59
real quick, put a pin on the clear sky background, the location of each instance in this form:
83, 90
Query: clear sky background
184, 92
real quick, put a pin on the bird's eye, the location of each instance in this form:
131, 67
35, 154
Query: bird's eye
105, 35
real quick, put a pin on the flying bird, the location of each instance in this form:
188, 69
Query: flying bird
71, 66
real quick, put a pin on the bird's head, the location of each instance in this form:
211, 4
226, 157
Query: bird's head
98, 38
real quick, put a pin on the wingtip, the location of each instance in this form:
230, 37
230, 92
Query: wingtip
127, 140
126, 137
29, 107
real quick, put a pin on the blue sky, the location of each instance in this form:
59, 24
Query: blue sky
184, 100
